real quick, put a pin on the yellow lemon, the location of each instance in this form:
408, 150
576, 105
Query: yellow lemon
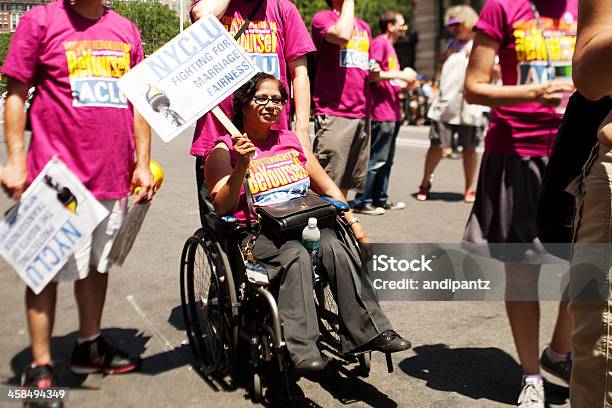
157, 172
158, 175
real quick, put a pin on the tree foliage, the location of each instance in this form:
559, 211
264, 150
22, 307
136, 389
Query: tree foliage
157, 22
5, 40
368, 10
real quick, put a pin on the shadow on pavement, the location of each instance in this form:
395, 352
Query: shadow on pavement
342, 384
346, 387
478, 373
442, 196
129, 340
176, 319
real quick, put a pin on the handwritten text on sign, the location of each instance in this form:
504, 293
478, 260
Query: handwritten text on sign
187, 77
56, 213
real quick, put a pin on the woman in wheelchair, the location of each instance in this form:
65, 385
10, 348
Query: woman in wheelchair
275, 157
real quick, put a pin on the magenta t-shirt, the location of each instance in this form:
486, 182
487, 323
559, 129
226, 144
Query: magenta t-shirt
341, 77
276, 36
277, 172
385, 94
528, 129
78, 113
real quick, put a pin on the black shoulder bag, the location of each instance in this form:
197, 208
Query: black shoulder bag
575, 138
286, 220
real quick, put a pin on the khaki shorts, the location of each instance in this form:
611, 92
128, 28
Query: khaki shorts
441, 135
93, 252
342, 146
591, 339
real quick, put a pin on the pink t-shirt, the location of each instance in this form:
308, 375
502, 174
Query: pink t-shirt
276, 36
78, 113
341, 76
277, 172
385, 94
528, 129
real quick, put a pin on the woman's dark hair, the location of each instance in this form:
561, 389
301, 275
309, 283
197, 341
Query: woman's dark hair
329, 2
244, 95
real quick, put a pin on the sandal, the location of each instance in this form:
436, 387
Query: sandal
423, 194
469, 197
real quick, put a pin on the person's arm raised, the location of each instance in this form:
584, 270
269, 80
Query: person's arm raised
298, 70
593, 54
214, 7
479, 89
341, 32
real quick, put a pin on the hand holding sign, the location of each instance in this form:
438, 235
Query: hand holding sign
56, 213
187, 77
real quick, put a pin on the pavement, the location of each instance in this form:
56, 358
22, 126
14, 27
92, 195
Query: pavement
462, 355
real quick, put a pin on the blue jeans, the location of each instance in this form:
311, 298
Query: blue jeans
382, 150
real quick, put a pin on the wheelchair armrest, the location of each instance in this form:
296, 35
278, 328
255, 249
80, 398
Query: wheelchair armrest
229, 219
340, 205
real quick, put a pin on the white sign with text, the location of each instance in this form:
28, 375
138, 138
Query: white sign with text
40, 233
187, 77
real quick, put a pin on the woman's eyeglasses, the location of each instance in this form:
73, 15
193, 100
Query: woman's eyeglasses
263, 100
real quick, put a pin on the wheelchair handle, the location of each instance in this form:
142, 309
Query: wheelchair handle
341, 206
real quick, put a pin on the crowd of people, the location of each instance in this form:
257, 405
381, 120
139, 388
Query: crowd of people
507, 65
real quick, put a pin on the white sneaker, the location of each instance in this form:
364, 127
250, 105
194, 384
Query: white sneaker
369, 209
400, 205
532, 394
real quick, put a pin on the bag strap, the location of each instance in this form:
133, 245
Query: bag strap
549, 63
246, 24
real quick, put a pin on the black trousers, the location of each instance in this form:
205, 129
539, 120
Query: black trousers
360, 314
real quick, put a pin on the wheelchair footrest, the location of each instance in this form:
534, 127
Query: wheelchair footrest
389, 362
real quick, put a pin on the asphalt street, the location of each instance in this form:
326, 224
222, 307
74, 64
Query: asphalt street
462, 355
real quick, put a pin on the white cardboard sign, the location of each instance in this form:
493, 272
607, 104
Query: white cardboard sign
40, 233
187, 77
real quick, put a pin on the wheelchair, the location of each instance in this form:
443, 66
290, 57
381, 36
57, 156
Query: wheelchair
227, 315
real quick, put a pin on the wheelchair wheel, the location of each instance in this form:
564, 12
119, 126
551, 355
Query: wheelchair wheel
208, 300
327, 311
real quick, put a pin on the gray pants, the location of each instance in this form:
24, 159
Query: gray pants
360, 315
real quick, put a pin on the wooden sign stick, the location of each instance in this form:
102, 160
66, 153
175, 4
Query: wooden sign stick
225, 121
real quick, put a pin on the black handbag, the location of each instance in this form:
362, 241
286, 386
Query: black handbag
285, 221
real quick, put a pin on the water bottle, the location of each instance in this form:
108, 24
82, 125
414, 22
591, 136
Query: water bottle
311, 239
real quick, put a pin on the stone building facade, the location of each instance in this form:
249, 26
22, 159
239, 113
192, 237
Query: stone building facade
428, 24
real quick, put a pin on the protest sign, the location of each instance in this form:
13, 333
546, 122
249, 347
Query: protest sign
187, 77
40, 233
127, 234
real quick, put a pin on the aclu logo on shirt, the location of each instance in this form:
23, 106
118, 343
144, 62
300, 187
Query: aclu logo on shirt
97, 92
267, 63
534, 72
355, 53
353, 59
94, 66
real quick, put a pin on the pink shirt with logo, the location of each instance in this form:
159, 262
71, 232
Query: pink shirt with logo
277, 172
385, 94
528, 129
78, 113
341, 78
276, 36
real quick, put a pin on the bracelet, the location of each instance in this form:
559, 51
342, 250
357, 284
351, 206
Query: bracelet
352, 221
